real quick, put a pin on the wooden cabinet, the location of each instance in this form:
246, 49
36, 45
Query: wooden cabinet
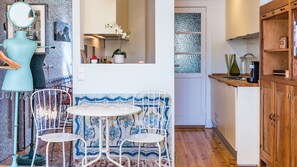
294, 125
282, 125
275, 25
272, 5
278, 94
240, 21
276, 110
267, 125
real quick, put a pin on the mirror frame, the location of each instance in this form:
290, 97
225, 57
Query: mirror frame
18, 26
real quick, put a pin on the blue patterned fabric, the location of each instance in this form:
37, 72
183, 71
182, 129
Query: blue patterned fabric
120, 127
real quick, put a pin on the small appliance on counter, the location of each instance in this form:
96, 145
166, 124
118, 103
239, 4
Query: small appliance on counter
254, 72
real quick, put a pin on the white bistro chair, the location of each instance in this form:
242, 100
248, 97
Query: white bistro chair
152, 122
50, 120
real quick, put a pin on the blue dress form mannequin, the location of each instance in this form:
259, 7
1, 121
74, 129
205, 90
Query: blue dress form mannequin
19, 49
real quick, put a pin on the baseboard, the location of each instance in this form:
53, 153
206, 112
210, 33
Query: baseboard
226, 143
189, 126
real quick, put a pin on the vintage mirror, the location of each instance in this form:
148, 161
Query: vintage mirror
21, 15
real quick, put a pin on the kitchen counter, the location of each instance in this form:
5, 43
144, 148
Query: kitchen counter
231, 82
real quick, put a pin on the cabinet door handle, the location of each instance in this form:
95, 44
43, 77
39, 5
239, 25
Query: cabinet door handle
276, 118
294, 4
271, 116
282, 9
272, 12
264, 15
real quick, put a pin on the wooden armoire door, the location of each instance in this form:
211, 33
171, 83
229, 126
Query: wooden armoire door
293, 97
282, 126
267, 123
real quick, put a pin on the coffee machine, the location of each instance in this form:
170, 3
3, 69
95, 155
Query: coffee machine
254, 72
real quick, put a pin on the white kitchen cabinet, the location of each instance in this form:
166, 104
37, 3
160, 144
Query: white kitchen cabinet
236, 112
97, 13
224, 98
242, 18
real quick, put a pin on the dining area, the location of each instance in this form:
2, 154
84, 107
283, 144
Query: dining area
107, 119
125, 131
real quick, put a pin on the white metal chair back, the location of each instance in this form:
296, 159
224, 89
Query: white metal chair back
46, 106
155, 109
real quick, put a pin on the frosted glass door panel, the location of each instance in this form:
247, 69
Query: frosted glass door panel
187, 42
190, 43
187, 22
187, 63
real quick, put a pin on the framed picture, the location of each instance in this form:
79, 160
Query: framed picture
62, 32
37, 31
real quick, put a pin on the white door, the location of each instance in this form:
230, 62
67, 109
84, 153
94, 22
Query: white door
190, 66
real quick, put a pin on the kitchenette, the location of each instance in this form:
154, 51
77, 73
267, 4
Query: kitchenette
235, 95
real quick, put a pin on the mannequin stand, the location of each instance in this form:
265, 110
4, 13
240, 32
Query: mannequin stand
27, 158
15, 137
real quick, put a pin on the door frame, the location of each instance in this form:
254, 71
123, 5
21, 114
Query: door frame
208, 66
195, 79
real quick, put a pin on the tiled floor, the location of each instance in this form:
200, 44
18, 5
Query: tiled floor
57, 159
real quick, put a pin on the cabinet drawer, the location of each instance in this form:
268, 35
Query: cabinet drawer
276, 12
281, 10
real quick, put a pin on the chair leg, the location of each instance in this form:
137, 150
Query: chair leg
158, 144
64, 161
47, 146
52, 152
138, 160
84, 161
167, 151
53, 149
70, 153
128, 161
35, 150
121, 150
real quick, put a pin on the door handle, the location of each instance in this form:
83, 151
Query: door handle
176, 65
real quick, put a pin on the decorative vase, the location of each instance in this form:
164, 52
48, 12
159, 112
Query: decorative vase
119, 58
234, 69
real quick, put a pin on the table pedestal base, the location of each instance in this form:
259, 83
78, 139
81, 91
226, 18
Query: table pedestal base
106, 149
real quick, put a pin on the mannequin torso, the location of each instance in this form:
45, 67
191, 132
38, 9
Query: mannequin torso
19, 49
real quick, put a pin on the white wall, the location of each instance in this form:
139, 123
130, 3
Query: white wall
150, 31
135, 47
262, 2
220, 46
129, 78
142, 28
94, 42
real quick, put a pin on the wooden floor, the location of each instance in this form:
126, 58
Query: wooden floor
201, 148
193, 148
